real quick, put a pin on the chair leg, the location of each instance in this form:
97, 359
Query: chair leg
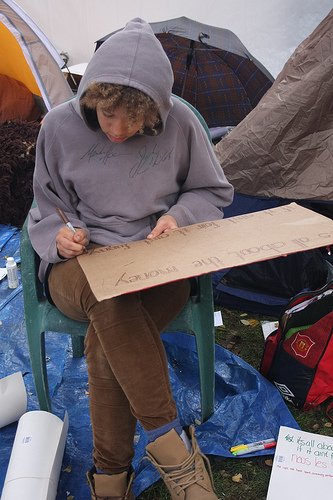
205, 341
38, 368
77, 346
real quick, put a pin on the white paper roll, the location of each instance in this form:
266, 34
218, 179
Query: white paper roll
13, 399
36, 458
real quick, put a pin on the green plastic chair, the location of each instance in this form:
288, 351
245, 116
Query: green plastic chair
40, 316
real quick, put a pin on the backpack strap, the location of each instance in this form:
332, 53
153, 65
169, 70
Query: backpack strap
328, 409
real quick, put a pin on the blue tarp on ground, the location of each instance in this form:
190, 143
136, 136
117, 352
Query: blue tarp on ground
247, 408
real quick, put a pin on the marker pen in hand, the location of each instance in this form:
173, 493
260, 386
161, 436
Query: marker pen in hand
66, 220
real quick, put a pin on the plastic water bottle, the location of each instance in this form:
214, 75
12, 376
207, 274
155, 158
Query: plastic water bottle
12, 273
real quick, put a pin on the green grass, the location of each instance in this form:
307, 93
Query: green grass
246, 341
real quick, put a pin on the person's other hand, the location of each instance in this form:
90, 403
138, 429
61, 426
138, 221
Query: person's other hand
164, 224
71, 244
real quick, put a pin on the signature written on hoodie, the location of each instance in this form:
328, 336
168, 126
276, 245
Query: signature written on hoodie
102, 154
149, 159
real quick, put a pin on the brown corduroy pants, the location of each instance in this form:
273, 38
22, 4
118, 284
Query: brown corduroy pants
126, 360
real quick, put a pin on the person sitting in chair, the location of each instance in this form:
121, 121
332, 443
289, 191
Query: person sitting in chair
125, 160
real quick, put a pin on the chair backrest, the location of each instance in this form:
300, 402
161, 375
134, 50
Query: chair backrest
33, 289
198, 115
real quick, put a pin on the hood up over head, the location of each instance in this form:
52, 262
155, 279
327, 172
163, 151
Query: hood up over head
133, 57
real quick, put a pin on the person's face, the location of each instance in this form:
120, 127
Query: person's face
115, 124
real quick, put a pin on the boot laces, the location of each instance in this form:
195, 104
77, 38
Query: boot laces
189, 473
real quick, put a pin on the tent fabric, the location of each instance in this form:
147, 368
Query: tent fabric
282, 277
284, 146
28, 56
245, 300
16, 101
247, 406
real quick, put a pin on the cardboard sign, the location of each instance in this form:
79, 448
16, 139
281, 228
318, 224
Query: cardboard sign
302, 467
203, 248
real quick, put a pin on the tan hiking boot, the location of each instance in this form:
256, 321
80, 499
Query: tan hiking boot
184, 473
111, 487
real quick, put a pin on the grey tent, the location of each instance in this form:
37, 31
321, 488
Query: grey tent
283, 151
284, 147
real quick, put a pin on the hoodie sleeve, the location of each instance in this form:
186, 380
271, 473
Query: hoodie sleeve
50, 192
205, 190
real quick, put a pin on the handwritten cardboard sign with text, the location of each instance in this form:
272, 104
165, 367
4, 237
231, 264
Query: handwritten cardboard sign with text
302, 467
203, 248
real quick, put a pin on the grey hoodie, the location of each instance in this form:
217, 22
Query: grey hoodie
117, 191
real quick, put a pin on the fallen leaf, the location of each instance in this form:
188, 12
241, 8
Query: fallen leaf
328, 424
224, 473
269, 462
68, 469
245, 322
253, 322
232, 341
315, 427
238, 478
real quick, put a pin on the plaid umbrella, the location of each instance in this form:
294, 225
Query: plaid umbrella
213, 70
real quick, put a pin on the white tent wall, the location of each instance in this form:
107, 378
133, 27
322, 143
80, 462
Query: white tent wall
270, 29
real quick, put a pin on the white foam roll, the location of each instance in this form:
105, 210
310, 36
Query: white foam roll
13, 399
35, 462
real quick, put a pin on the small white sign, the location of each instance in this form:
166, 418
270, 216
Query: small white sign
302, 467
218, 321
268, 327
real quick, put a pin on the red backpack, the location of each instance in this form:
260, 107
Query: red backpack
298, 356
